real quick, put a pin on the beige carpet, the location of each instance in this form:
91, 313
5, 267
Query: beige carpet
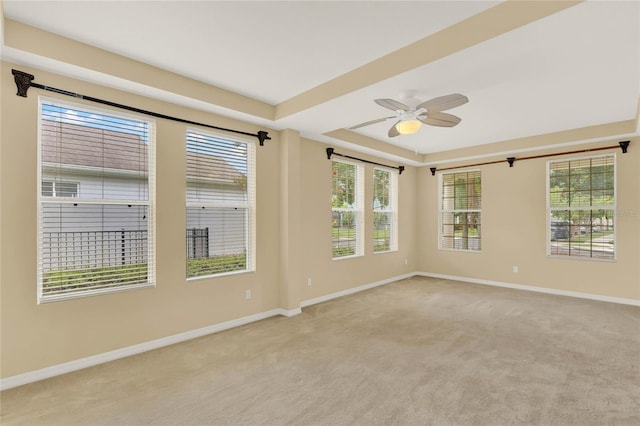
417, 352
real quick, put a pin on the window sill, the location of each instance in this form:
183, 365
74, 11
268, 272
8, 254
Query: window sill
90, 293
385, 251
460, 250
347, 257
581, 258
221, 275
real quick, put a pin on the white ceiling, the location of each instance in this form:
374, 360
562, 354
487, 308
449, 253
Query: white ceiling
575, 68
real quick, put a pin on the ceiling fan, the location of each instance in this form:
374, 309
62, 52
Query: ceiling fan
409, 120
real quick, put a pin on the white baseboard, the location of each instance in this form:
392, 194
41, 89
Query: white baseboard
353, 290
67, 367
577, 294
289, 313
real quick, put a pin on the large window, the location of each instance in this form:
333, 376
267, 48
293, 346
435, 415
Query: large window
346, 206
95, 202
220, 234
460, 212
581, 207
385, 218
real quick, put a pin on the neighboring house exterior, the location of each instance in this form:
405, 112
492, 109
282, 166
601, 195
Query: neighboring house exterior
118, 230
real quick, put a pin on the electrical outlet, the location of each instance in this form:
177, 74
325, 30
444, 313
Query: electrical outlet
515, 269
309, 282
247, 294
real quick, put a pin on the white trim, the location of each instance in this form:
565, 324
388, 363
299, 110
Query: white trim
353, 290
289, 313
90, 361
68, 367
580, 295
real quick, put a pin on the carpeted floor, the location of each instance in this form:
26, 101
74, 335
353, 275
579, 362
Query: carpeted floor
420, 351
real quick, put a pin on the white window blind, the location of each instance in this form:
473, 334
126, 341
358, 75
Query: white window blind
346, 206
581, 208
385, 217
460, 211
95, 202
220, 235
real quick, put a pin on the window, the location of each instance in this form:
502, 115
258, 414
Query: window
220, 205
385, 220
99, 240
460, 211
346, 207
59, 189
581, 207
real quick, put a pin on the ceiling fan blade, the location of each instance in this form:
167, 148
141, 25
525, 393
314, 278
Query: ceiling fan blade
393, 132
391, 104
442, 103
367, 123
440, 119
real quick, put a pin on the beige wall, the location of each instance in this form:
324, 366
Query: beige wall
293, 240
330, 276
514, 227
293, 236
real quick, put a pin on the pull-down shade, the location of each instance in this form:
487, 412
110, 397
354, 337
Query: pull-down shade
220, 234
95, 202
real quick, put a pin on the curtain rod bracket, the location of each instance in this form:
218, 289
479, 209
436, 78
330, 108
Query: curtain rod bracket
262, 136
23, 82
400, 169
511, 160
624, 145
433, 171
329, 153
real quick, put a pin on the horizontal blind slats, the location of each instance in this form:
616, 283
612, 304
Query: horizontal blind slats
88, 160
220, 193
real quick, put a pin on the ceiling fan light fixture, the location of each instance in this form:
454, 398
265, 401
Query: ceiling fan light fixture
408, 127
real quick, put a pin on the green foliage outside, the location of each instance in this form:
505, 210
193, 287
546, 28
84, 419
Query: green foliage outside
71, 280
343, 251
343, 184
381, 187
470, 232
381, 233
582, 184
216, 264
77, 279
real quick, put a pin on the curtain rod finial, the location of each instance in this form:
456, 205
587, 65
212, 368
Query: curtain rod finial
23, 82
262, 136
329, 153
624, 145
400, 169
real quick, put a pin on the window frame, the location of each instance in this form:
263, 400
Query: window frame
249, 205
358, 209
149, 203
549, 209
441, 211
393, 210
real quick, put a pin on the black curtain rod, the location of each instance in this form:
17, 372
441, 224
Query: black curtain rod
24, 81
624, 145
331, 152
